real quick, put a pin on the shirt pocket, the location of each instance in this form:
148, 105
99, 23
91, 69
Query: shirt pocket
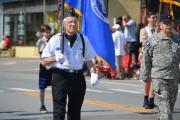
78, 54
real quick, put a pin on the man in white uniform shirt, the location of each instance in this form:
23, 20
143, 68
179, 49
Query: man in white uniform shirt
68, 79
119, 47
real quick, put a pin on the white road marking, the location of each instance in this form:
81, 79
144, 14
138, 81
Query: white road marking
126, 84
9, 63
88, 90
1, 91
128, 91
97, 91
23, 89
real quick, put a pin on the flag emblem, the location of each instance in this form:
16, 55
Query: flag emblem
99, 9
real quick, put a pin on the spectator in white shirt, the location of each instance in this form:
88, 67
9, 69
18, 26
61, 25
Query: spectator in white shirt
119, 46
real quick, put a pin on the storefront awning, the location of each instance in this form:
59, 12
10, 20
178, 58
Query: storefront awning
175, 2
7, 1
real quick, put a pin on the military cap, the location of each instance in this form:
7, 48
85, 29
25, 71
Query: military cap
165, 18
70, 13
177, 21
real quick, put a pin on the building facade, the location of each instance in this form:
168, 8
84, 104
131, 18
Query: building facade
118, 8
20, 19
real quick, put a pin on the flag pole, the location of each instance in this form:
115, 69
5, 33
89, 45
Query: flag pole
61, 17
160, 10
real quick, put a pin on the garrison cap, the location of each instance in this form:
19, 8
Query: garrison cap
70, 13
166, 18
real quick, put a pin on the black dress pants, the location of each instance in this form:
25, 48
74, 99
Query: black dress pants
67, 89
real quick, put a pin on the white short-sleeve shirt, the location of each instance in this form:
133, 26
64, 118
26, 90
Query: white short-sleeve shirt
73, 56
119, 42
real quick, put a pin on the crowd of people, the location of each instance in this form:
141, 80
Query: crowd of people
128, 43
131, 43
155, 49
125, 42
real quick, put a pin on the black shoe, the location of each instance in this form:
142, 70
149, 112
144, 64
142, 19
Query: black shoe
43, 109
146, 105
152, 106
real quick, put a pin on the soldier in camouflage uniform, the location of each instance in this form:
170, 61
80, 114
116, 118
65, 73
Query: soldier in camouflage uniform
160, 62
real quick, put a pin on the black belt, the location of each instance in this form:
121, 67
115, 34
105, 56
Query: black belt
67, 71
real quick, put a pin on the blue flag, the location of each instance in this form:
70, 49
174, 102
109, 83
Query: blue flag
95, 26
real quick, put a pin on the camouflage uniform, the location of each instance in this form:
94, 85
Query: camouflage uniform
160, 61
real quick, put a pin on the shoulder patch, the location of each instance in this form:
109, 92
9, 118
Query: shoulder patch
58, 48
147, 43
176, 39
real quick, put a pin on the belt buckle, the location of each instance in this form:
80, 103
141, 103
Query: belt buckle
71, 71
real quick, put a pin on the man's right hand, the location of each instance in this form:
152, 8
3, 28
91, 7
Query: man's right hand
59, 57
94, 79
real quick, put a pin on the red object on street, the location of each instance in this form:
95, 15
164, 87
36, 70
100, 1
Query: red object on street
106, 71
125, 61
7, 42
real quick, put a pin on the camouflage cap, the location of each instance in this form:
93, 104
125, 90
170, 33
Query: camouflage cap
166, 18
177, 21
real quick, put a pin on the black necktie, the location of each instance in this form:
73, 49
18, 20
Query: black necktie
152, 31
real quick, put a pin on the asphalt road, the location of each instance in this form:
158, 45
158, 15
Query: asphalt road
110, 100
